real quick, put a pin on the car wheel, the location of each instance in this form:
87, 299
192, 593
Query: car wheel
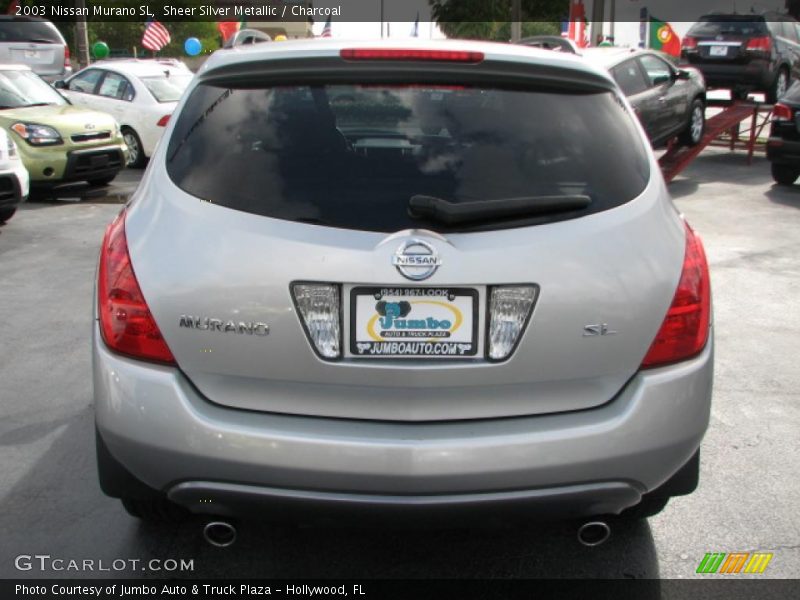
102, 180
7, 213
785, 174
780, 86
156, 510
136, 156
693, 134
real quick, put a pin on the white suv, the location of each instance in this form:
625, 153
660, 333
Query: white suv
14, 179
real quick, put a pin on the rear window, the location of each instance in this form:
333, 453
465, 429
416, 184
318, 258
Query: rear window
168, 87
353, 156
728, 25
40, 32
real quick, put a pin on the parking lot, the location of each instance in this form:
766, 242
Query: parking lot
50, 502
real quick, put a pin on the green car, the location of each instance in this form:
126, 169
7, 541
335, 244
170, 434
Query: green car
58, 142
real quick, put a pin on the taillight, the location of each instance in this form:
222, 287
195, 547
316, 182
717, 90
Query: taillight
781, 112
319, 307
689, 43
760, 44
509, 310
411, 54
684, 332
125, 320
67, 63
162, 122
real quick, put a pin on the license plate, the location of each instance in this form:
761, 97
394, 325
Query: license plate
718, 51
413, 322
99, 161
31, 54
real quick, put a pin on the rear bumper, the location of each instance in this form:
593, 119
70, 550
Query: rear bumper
224, 461
234, 500
784, 152
14, 187
757, 75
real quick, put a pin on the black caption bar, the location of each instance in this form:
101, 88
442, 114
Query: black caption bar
450, 11
463, 589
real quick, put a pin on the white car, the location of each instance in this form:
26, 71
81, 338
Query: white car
140, 93
14, 180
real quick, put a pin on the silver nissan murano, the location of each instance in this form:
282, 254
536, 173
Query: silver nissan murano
414, 276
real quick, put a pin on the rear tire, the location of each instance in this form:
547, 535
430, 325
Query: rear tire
696, 127
782, 83
136, 158
785, 174
6, 214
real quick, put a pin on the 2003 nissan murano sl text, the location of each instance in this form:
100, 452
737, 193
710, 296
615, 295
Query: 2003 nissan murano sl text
435, 276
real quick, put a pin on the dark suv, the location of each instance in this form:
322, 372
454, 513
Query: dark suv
783, 147
745, 53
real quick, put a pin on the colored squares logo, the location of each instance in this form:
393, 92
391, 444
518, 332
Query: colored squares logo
734, 562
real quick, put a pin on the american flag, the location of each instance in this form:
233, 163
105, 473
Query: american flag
155, 36
326, 31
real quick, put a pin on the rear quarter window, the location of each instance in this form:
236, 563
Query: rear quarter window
629, 77
29, 31
352, 156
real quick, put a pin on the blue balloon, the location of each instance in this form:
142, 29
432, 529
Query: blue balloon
192, 46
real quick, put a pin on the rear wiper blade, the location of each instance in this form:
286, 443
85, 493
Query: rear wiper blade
449, 213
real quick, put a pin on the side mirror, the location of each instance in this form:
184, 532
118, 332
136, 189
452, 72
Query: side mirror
60, 84
683, 74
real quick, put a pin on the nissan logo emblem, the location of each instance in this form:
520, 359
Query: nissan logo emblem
416, 260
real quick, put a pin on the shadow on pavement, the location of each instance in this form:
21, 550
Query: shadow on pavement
720, 166
784, 195
58, 509
680, 188
79, 192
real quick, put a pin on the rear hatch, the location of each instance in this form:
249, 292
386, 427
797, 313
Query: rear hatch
409, 241
727, 39
35, 43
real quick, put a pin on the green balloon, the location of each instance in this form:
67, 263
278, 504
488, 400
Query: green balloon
100, 50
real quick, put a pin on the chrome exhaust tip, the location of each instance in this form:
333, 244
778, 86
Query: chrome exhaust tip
219, 533
593, 533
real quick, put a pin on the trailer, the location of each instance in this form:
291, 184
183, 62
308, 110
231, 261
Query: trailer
722, 130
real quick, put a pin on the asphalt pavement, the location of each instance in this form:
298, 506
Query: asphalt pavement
50, 503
